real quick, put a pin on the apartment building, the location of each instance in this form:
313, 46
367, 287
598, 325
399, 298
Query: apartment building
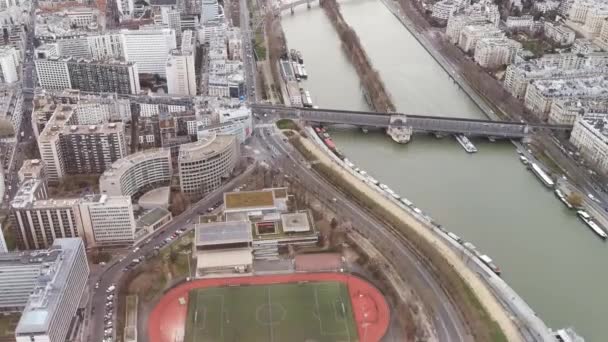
92, 149
53, 73
495, 52
602, 39
9, 64
566, 111
541, 93
137, 173
37, 222
477, 14
590, 136
181, 72
68, 148
204, 163
108, 220
559, 34
211, 11
52, 305
522, 23
149, 48
105, 46
104, 76
34, 169
473, 33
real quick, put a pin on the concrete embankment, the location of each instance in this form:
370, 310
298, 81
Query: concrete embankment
446, 260
377, 95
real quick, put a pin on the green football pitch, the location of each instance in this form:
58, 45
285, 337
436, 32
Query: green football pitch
312, 311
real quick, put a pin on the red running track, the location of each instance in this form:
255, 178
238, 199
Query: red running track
168, 319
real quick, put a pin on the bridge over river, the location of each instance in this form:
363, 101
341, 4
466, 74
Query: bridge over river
417, 123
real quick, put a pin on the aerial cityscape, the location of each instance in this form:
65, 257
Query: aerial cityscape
303, 170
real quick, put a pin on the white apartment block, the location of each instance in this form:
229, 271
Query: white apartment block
595, 18
442, 10
181, 73
211, 11
108, 220
37, 222
206, 32
137, 173
546, 6
105, 46
579, 9
560, 34
476, 14
495, 52
56, 297
235, 42
149, 48
541, 93
590, 136
472, 33
9, 64
53, 73
204, 163
171, 18
566, 111
519, 23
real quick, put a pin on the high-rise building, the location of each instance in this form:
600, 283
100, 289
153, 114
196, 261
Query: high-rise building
204, 163
171, 17
92, 149
67, 148
211, 11
21, 273
148, 48
37, 222
53, 73
104, 76
181, 73
75, 47
55, 298
108, 220
3, 245
105, 46
9, 64
137, 173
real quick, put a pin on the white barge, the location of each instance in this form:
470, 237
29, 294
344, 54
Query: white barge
466, 143
591, 224
542, 175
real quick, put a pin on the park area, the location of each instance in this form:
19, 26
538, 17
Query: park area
299, 307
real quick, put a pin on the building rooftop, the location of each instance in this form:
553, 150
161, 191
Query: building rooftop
122, 165
152, 216
594, 86
218, 233
44, 300
249, 199
295, 222
207, 145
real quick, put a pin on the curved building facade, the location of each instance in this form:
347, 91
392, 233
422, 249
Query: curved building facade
204, 163
137, 173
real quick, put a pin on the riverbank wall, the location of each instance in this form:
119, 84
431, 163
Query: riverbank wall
375, 92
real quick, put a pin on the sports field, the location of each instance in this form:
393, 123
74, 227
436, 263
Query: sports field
305, 311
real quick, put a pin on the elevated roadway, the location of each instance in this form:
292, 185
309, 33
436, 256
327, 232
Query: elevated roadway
419, 123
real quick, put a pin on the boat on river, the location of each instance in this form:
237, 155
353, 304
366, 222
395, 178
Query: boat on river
466, 143
592, 224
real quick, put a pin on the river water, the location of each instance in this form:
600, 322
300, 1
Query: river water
546, 254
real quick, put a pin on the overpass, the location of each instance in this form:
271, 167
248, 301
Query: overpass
418, 123
291, 5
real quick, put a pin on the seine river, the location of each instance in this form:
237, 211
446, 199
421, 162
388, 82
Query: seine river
546, 254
